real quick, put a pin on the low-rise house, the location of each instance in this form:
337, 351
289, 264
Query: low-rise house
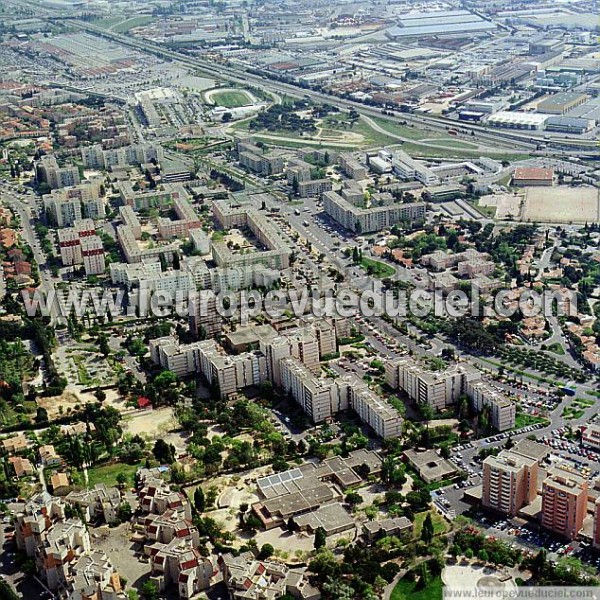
95, 578
399, 527
21, 466
60, 484
48, 456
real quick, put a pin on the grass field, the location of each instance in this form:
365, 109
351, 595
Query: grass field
439, 524
123, 24
231, 99
107, 474
378, 269
525, 419
408, 590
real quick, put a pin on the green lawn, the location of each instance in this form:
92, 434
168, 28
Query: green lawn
524, 420
231, 99
378, 269
122, 24
108, 473
408, 590
557, 349
439, 524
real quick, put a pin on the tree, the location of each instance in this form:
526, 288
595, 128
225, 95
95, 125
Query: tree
149, 590
199, 500
124, 513
253, 522
266, 552
353, 499
163, 452
427, 529
122, 479
320, 538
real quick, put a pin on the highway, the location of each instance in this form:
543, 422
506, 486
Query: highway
519, 142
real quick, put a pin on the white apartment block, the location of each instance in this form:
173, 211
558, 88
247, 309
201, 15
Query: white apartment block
351, 167
93, 577
67, 205
200, 240
407, 168
229, 373
134, 253
48, 171
95, 157
130, 219
503, 411
367, 220
438, 389
314, 187
187, 220
277, 253
319, 398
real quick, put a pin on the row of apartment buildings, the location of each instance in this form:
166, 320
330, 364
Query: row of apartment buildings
367, 220
440, 389
291, 361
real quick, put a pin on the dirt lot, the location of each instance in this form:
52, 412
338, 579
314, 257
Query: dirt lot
150, 423
562, 204
121, 552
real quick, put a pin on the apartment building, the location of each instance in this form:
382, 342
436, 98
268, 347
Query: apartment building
95, 157
205, 321
47, 170
373, 410
170, 525
92, 252
314, 187
590, 435
438, 389
130, 219
509, 482
200, 240
229, 373
564, 502
319, 398
351, 167
440, 260
503, 411
277, 253
255, 159
160, 197
80, 245
58, 551
156, 496
66, 205
407, 168
93, 577
368, 220
322, 398
98, 503
187, 220
179, 564
134, 253
299, 171
246, 577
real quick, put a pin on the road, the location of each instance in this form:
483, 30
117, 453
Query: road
23, 206
240, 74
